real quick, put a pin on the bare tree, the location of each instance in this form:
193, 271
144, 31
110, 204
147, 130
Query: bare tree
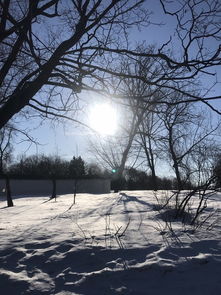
142, 111
107, 151
52, 45
187, 131
6, 135
133, 90
148, 137
43, 43
115, 151
203, 157
132, 130
197, 28
217, 171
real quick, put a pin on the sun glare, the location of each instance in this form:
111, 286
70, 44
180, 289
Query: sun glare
103, 119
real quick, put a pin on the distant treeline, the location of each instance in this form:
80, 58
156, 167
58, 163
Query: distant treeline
139, 180
48, 167
217, 172
54, 167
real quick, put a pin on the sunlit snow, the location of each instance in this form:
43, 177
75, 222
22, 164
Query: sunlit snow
105, 244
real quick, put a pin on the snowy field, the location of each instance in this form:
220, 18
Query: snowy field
106, 244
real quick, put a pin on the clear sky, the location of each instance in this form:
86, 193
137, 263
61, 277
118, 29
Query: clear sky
68, 140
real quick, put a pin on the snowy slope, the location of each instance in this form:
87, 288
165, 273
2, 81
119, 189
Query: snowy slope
106, 244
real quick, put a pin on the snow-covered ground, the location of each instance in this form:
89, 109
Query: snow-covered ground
106, 244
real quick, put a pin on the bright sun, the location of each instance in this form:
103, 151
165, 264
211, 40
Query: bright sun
103, 119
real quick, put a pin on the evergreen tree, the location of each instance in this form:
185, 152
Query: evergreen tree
77, 167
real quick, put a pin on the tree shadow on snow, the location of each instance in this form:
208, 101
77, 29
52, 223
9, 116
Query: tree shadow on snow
59, 268
128, 199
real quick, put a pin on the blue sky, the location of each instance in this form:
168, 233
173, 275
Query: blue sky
67, 140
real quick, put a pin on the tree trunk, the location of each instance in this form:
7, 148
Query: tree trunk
150, 160
54, 189
135, 125
75, 189
8, 192
175, 162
